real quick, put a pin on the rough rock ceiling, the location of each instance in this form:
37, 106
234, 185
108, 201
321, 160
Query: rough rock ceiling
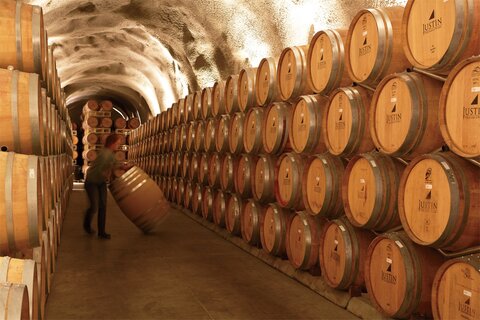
146, 54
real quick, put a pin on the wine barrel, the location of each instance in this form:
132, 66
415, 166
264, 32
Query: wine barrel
346, 128
90, 122
374, 48
91, 105
244, 175
24, 40
438, 34
186, 160
188, 195
404, 115
188, 109
90, 138
106, 122
134, 123
252, 216
206, 106
369, 191
194, 167
120, 155
140, 199
23, 272
179, 111
252, 131
292, 73
221, 134
439, 201
274, 229
218, 99
210, 135
264, 179
246, 89
303, 240
220, 207
189, 143
214, 171
197, 105
233, 214
120, 123
321, 186
231, 94
459, 113
343, 250
182, 139
199, 142
399, 275
21, 208
207, 204
266, 90
106, 105
22, 125
197, 199
235, 132
288, 179
306, 124
276, 127
203, 168
455, 289
228, 170
14, 301
326, 61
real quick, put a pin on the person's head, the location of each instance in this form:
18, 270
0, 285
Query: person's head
113, 141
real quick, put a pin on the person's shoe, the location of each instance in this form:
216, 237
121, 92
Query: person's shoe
89, 230
104, 236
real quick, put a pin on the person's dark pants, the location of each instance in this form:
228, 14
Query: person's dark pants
97, 194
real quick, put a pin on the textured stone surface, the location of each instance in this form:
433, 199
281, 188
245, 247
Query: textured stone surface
149, 53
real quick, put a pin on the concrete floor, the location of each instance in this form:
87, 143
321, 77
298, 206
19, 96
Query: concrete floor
183, 272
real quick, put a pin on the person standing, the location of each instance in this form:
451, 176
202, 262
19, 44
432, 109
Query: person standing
98, 175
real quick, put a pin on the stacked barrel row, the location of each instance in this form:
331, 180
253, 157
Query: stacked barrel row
35, 162
295, 159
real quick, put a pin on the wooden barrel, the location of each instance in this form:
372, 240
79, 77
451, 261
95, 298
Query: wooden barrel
214, 171
455, 289
346, 129
246, 89
439, 201
374, 48
22, 124
227, 174
244, 175
343, 250
303, 240
91, 105
14, 301
24, 40
140, 199
460, 126
189, 142
206, 106
106, 105
436, 35
292, 73
266, 90
288, 179
276, 126
264, 179
133, 123
188, 109
220, 207
22, 206
199, 142
90, 122
120, 155
179, 110
274, 229
305, 131
252, 131
185, 165
233, 214
207, 204
188, 195
210, 135
197, 199
252, 216
194, 167
369, 191
231, 94
326, 61
120, 123
221, 134
180, 191
197, 105
399, 275
106, 122
218, 99
203, 168
235, 133
404, 115
321, 186
24, 272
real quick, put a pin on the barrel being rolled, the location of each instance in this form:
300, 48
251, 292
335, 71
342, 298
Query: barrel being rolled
439, 201
459, 113
276, 128
14, 301
140, 199
266, 90
374, 48
274, 229
438, 34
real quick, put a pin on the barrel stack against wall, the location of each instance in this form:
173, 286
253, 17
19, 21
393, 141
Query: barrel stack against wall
356, 154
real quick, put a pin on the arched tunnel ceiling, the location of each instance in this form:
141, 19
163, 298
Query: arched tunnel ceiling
150, 53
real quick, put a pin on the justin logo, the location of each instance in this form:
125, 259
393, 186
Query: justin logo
433, 23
